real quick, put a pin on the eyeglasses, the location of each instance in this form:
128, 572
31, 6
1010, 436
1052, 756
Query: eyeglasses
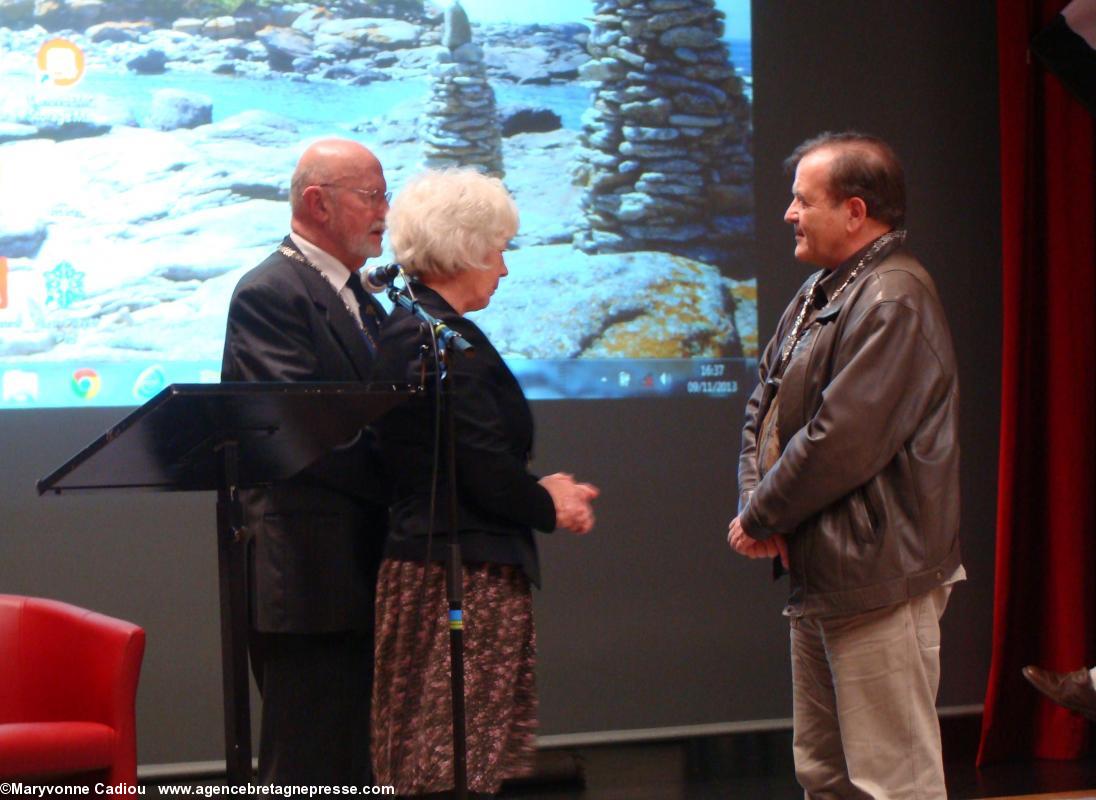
371, 196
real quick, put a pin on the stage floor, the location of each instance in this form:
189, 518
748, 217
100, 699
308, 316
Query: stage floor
759, 767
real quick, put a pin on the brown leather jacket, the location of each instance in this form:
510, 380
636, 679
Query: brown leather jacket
866, 488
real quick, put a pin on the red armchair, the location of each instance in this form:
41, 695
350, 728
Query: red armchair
68, 685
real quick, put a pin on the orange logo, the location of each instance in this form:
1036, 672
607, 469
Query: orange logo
61, 62
3, 282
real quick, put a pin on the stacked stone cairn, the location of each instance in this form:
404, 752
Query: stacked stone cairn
461, 125
666, 160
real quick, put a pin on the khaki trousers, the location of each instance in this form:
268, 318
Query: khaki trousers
864, 702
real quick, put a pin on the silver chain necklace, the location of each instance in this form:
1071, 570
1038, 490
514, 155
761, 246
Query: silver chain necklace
797, 328
289, 252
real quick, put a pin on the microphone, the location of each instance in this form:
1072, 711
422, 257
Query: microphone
378, 279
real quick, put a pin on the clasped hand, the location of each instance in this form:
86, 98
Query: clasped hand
573, 501
744, 544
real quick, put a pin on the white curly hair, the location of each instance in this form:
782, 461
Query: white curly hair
446, 221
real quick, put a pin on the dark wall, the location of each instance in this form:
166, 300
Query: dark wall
650, 621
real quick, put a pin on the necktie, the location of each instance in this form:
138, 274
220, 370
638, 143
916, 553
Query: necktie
368, 310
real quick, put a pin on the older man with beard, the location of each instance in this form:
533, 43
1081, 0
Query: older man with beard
315, 540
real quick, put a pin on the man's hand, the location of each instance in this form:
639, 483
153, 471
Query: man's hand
744, 544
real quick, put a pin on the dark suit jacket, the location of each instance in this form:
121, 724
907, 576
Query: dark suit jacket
499, 501
316, 539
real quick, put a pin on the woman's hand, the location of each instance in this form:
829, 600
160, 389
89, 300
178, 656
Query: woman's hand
573, 501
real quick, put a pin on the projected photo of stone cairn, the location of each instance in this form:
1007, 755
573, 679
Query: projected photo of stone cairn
162, 174
461, 128
666, 161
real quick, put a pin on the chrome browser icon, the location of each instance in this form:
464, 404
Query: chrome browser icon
86, 383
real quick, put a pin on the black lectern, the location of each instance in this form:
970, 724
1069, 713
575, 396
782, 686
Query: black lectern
225, 437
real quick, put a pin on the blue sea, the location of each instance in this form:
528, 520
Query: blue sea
323, 104
326, 103
554, 11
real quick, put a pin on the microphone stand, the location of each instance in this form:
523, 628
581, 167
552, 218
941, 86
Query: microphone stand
449, 342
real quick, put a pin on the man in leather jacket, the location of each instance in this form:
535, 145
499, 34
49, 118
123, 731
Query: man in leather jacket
849, 475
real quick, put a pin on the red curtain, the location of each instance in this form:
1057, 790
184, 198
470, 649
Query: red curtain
1044, 597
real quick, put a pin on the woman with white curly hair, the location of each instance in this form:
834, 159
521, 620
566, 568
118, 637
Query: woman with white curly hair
449, 231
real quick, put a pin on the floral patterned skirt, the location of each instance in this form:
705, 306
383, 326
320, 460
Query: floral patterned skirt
412, 738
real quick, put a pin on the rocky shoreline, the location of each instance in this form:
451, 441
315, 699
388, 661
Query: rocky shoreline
161, 208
